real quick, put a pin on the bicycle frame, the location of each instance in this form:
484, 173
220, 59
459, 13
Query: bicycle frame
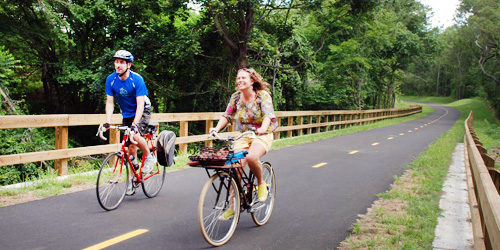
243, 180
125, 156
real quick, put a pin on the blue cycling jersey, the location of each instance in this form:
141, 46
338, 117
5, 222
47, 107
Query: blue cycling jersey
126, 92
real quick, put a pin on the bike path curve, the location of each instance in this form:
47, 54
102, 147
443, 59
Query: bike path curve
314, 209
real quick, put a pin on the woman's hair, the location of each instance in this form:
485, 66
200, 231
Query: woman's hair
258, 81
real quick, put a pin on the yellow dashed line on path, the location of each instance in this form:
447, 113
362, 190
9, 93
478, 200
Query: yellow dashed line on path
402, 134
375, 144
416, 128
390, 138
409, 131
319, 165
117, 239
353, 152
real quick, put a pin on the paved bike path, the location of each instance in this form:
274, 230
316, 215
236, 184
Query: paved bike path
315, 207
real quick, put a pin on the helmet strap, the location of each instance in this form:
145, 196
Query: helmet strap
125, 72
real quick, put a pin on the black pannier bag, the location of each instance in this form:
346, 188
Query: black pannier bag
165, 148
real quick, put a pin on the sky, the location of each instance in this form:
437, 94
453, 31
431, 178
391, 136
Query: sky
444, 11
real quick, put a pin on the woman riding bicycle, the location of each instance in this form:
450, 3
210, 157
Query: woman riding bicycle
251, 107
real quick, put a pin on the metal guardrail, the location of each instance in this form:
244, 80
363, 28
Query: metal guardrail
483, 182
297, 124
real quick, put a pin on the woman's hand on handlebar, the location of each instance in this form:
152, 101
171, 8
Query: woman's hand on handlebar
261, 131
214, 133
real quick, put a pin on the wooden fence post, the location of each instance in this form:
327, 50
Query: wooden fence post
208, 124
327, 128
61, 165
301, 122
318, 120
114, 138
277, 135
183, 132
310, 121
289, 133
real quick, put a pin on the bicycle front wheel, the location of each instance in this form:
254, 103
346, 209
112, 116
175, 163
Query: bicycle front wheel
261, 212
219, 194
153, 182
112, 182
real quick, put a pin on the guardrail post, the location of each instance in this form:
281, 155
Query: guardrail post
318, 120
327, 128
61, 165
290, 123
277, 135
301, 122
310, 121
114, 138
183, 132
208, 124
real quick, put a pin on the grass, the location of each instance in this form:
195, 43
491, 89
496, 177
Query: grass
427, 173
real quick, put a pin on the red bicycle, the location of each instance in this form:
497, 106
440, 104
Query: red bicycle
113, 178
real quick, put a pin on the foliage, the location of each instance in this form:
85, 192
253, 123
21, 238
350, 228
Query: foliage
466, 61
7, 77
17, 141
325, 54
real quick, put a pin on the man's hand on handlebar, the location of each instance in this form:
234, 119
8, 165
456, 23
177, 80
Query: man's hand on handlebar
129, 131
103, 128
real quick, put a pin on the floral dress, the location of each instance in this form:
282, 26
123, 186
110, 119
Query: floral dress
250, 116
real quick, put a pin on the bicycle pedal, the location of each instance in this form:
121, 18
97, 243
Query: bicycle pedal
257, 207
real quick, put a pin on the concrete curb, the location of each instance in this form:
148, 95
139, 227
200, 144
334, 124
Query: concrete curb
454, 229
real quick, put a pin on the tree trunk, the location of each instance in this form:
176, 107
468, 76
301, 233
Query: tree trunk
9, 101
437, 81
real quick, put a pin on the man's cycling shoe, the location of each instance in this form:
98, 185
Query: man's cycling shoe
262, 193
149, 164
130, 188
227, 215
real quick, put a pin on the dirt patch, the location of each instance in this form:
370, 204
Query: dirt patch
371, 225
27, 196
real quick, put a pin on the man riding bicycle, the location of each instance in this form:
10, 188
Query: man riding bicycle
131, 93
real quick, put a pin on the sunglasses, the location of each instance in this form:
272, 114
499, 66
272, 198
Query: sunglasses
249, 70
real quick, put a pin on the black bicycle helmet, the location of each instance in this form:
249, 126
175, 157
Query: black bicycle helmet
125, 55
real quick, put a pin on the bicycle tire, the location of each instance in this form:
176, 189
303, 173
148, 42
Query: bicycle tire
111, 182
261, 212
153, 182
213, 203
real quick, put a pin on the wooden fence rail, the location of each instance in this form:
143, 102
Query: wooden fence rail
292, 123
483, 188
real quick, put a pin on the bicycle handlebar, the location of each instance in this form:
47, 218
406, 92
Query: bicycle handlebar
216, 135
128, 132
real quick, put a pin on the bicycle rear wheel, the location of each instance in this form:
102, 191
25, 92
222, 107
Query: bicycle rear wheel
219, 194
112, 182
261, 212
153, 182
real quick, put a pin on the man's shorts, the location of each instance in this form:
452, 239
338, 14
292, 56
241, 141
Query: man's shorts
143, 124
264, 140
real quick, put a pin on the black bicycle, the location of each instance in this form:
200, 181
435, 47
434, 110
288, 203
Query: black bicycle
230, 186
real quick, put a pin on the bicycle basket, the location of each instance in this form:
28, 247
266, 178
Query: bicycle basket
210, 157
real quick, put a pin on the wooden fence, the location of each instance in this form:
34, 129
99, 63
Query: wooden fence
292, 123
483, 183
